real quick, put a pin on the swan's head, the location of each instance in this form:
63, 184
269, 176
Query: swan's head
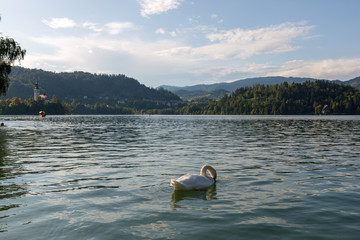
211, 170
213, 175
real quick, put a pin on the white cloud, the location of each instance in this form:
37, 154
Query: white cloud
160, 31
213, 16
194, 19
59, 23
217, 61
72, 54
92, 26
115, 28
342, 69
330, 69
242, 43
149, 7
112, 28
163, 32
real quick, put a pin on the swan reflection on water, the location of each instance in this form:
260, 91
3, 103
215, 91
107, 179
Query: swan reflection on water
205, 194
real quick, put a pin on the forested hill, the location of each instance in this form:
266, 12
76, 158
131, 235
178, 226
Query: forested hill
82, 86
354, 82
204, 90
307, 98
232, 86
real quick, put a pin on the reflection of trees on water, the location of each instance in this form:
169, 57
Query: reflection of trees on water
178, 196
8, 188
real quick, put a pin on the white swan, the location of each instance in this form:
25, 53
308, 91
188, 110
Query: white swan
195, 182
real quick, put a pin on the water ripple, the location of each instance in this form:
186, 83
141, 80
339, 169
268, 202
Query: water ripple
107, 177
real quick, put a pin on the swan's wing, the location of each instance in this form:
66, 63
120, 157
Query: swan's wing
177, 185
194, 181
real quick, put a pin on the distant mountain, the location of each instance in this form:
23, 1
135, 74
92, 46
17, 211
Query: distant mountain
353, 82
202, 90
84, 87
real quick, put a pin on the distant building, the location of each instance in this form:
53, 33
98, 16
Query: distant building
37, 94
44, 98
36, 90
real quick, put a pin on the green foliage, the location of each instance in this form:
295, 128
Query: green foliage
354, 82
296, 98
305, 98
100, 108
195, 106
196, 94
165, 111
89, 88
17, 106
10, 51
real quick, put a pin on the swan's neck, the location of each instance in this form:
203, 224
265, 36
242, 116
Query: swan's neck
211, 170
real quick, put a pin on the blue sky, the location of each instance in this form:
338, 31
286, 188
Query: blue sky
188, 42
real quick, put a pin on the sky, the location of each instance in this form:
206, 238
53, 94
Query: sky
188, 42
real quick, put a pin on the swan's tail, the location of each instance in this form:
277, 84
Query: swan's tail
176, 185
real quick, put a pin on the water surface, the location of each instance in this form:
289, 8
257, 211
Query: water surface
107, 177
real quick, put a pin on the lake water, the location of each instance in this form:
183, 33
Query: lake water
107, 177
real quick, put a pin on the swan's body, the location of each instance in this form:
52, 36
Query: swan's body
195, 182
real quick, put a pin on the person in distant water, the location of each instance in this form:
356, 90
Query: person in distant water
2, 124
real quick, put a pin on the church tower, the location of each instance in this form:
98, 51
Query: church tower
36, 90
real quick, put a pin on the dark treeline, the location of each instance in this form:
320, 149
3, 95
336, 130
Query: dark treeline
319, 97
100, 108
85, 87
305, 98
18, 106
